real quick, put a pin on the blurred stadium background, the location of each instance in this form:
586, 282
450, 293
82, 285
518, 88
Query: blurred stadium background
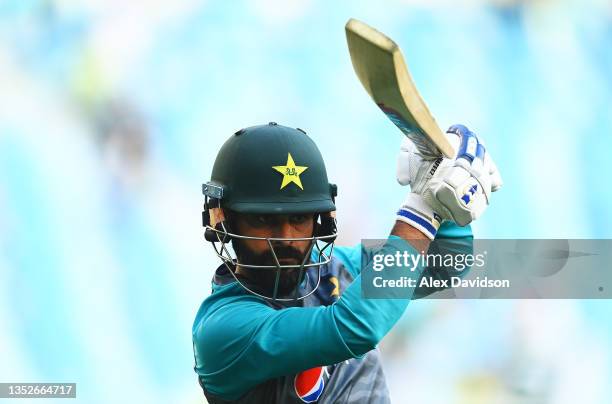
111, 114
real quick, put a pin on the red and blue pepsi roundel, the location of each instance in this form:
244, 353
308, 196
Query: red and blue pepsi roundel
309, 384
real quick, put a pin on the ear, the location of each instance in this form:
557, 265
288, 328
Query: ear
216, 216
213, 217
327, 226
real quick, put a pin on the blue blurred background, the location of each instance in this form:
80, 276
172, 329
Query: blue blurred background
111, 114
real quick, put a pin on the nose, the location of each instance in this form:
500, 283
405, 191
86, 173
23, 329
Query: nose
285, 230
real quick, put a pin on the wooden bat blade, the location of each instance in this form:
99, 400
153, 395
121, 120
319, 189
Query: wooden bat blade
380, 66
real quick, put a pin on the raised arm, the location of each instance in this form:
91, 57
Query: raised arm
243, 343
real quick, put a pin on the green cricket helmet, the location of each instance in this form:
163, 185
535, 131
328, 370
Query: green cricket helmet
271, 169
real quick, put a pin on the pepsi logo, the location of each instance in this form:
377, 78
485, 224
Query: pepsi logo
309, 384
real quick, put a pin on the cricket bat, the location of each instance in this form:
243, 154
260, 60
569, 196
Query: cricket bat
381, 68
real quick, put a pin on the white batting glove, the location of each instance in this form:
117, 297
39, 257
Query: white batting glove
455, 189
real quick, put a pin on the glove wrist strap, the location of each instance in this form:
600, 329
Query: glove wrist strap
419, 215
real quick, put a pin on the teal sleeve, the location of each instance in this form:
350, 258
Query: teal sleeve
450, 239
244, 342
452, 230
351, 256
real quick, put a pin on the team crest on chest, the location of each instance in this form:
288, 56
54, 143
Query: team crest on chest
291, 172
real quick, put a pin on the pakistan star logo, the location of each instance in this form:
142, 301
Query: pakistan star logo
291, 172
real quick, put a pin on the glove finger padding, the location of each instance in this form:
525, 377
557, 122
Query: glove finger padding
413, 169
408, 162
456, 189
460, 195
496, 180
491, 168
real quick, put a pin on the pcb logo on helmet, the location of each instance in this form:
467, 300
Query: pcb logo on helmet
310, 383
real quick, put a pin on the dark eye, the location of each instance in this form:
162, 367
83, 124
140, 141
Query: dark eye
258, 220
299, 219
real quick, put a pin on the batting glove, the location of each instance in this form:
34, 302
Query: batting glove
457, 189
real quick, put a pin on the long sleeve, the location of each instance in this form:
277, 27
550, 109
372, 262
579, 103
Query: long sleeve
242, 342
449, 234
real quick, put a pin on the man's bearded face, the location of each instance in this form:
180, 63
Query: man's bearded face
257, 252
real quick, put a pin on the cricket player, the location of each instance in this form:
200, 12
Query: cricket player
286, 321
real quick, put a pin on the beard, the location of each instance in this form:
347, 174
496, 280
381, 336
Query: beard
262, 280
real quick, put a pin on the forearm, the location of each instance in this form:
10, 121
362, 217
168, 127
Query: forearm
363, 322
414, 237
